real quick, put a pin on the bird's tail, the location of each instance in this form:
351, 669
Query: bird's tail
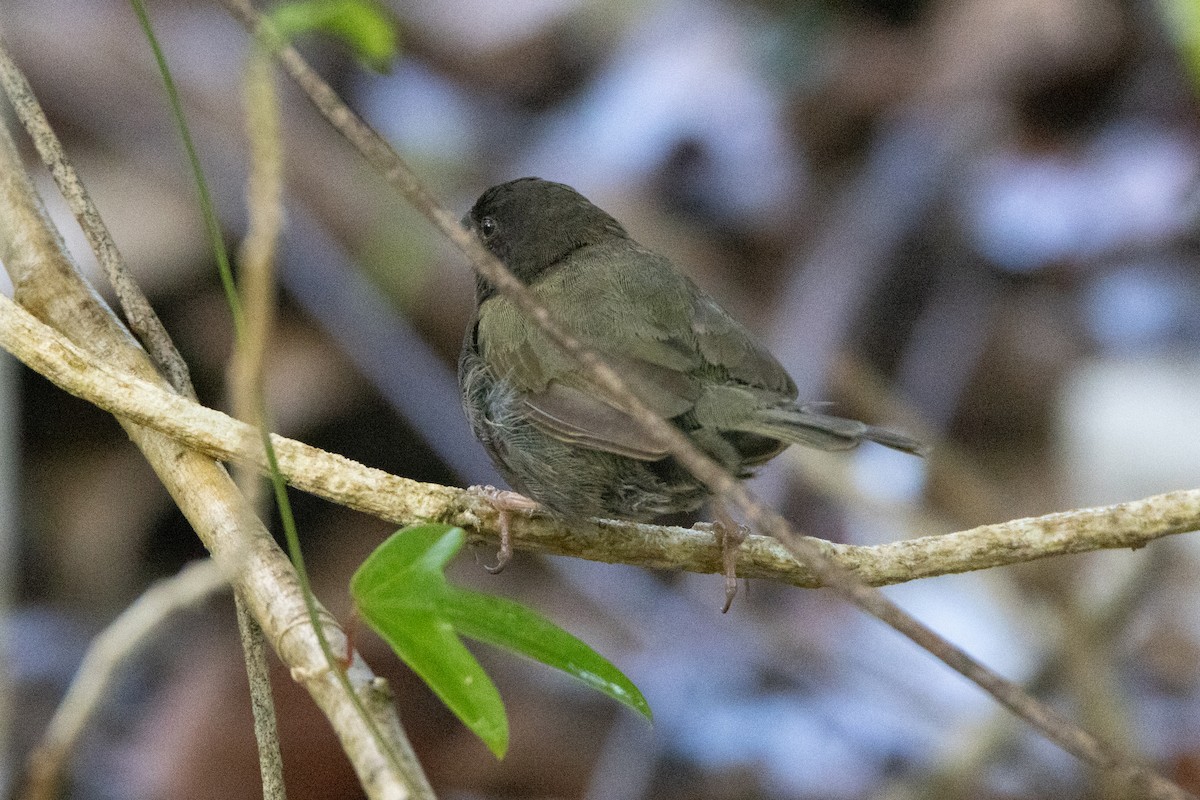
826, 432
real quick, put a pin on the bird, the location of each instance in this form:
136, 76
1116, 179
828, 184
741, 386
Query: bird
560, 441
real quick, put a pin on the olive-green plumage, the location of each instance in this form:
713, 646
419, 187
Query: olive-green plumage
553, 436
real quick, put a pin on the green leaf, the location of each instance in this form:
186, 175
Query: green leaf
510, 625
401, 591
398, 591
361, 24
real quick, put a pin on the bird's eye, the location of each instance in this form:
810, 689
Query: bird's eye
487, 227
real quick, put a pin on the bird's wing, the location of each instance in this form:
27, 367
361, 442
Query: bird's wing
731, 353
663, 335
581, 418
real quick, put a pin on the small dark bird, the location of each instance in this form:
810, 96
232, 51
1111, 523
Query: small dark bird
560, 441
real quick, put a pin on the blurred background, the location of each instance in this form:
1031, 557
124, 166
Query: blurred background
974, 220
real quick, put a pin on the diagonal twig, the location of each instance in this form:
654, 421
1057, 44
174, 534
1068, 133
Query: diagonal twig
256, 289
141, 316
727, 489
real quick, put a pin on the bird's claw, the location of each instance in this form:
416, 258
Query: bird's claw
730, 536
505, 502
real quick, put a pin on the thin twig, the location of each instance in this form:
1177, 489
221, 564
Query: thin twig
107, 653
264, 207
140, 314
262, 704
256, 285
400, 500
726, 488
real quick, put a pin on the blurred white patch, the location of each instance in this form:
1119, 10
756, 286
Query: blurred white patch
954, 606
890, 699
888, 476
687, 77
1128, 187
802, 753
1141, 306
1130, 428
420, 111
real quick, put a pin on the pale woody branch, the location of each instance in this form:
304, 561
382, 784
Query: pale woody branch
45, 279
403, 501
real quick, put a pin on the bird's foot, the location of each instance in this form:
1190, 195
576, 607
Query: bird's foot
730, 536
505, 503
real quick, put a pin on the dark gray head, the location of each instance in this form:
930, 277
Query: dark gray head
531, 224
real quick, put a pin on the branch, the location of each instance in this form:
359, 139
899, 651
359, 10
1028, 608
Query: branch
403, 501
45, 280
153, 334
